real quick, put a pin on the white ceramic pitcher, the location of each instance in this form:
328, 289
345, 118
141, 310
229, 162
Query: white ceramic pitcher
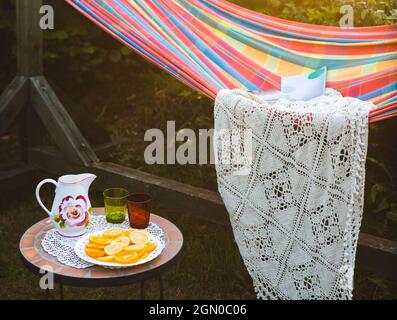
71, 209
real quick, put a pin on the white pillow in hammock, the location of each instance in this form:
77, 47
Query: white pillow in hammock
305, 86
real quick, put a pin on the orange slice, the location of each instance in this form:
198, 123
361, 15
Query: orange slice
102, 241
94, 253
139, 237
143, 256
106, 259
124, 240
138, 248
127, 258
93, 245
150, 247
114, 248
127, 233
113, 232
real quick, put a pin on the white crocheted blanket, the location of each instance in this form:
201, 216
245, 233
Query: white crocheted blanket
294, 193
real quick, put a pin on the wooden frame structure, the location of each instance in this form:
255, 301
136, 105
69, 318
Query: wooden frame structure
31, 97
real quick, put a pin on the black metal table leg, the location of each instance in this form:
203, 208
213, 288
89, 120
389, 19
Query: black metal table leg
161, 288
142, 290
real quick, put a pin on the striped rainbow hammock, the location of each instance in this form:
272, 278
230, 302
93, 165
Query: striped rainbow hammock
214, 44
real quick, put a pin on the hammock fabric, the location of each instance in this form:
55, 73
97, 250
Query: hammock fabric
213, 44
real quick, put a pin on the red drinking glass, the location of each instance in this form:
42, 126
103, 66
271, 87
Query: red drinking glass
139, 210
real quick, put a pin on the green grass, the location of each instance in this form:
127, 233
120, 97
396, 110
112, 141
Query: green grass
210, 266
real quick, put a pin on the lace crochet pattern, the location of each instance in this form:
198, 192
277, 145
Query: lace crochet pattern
296, 214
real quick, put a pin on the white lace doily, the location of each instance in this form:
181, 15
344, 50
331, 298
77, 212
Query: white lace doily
63, 248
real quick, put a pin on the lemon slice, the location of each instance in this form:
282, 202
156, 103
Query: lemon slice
99, 240
114, 248
124, 240
127, 258
138, 248
106, 259
113, 232
139, 237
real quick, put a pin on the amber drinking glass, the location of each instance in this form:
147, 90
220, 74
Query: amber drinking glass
139, 210
115, 204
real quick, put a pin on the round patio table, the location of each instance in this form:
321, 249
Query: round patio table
35, 259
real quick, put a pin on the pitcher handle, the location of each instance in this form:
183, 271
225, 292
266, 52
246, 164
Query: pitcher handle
38, 193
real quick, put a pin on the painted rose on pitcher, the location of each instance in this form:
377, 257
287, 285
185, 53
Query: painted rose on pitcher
73, 212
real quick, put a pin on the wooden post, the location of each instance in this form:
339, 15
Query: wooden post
29, 61
29, 38
13, 99
41, 97
59, 123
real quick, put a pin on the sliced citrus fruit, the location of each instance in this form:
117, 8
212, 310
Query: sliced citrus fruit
127, 232
138, 248
94, 253
150, 247
127, 258
143, 256
99, 240
113, 232
124, 240
114, 248
93, 245
139, 237
106, 259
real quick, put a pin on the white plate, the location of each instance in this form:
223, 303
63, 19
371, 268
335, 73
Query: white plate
80, 251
